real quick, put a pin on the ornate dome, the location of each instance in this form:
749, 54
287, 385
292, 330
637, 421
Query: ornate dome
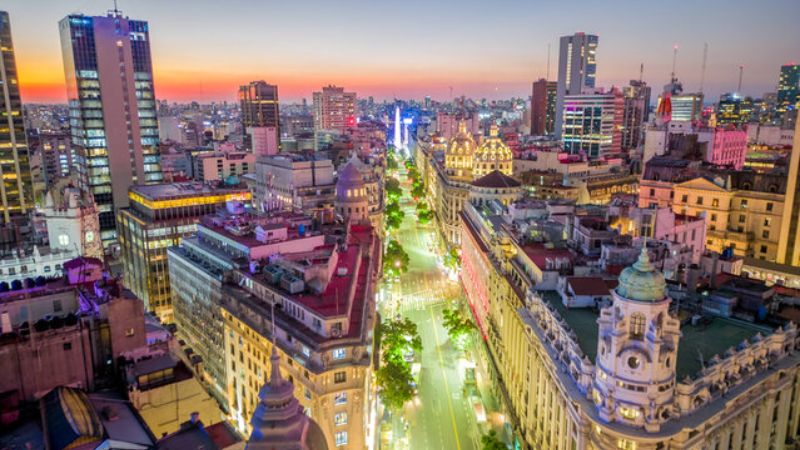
351, 179
641, 281
492, 155
462, 143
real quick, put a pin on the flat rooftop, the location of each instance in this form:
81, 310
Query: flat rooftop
167, 191
706, 340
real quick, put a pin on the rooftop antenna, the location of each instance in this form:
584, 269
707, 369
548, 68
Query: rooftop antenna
674, 59
741, 73
548, 61
116, 9
641, 72
703, 69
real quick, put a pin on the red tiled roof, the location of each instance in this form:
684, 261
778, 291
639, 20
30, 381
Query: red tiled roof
539, 254
590, 285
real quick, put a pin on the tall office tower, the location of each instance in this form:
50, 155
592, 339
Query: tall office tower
636, 112
576, 70
788, 87
112, 109
334, 109
543, 107
789, 242
16, 189
734, 109
593, 124
260, 116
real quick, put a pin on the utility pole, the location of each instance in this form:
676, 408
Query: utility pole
741, 73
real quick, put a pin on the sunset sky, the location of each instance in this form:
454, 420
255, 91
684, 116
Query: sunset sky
204, 49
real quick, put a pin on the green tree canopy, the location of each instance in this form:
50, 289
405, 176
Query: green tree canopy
394, 215
394, 381
458, 325
395, 259
398, 337
490, 441
392, 188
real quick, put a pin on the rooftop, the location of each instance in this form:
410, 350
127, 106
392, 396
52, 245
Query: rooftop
496, 179
166, 191
701, 341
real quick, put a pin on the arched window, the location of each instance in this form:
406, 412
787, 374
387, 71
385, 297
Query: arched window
638, 322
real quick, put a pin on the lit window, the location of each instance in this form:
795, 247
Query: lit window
306, 352
339, 353
340, 398
339, 377
637, 325
63, 240
340, 419
628, 413
341, 438
624, 444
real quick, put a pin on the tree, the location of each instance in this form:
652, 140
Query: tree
394, 377
458, 326
395, 259
393, 189
452, 260
398, 337
490, 441
413, 174
409, 164
418, 189
391, 161
424, 213
394, 381
394, 215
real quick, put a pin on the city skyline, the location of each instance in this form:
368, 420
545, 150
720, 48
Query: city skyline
421, 52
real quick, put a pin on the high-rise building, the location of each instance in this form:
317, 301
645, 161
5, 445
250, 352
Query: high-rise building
16, 188
334, 109
112, 108
259, 103
160, 216
636, 112
734, 109
543, 107
788, 87
260, 116
576, 70
593, 123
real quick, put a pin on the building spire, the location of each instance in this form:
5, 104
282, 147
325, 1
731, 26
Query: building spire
275, 378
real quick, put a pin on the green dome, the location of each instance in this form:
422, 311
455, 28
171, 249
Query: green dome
642, 281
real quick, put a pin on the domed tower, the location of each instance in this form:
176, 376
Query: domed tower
352, 198
279, 422
637, 349
458, 156
492, 155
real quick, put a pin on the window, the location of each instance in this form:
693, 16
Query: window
652, 192
339, 353
742, 218
624, 444
628, 413
308, 394
306, 352
67, 346
699, 200
765, 234
743, 204
767, 221
637, 326
63, 240
713, 217
57, 306
340, 377
715, 202
340, 419
763, 249
769, 206
340, 398
130, 332
341, 438
684, 198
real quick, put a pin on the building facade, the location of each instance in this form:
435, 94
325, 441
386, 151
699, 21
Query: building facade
592, 124
16, 190
543, 107
577, 68
113, 120
160, 216
334, 109
636, 112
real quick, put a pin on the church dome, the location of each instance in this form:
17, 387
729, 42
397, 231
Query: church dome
641, 281
462, 143
493, 154
350, 183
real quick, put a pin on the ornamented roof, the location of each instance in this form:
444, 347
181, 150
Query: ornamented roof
493, 148
462, 143
641, 281
496, 179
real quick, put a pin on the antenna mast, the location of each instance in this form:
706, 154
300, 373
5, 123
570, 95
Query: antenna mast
741, 73
674, 59
703, 69
548, 62
641, 72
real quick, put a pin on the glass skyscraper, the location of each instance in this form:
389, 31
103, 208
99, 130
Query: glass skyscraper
16, 186
112, 109
788, 87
